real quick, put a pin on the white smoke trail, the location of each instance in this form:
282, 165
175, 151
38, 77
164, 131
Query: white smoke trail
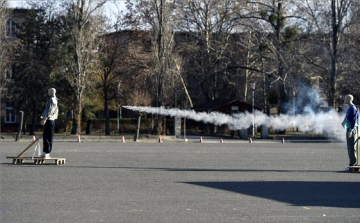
321, 123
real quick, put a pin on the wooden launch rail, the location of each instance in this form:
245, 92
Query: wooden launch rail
38, 160
19, 159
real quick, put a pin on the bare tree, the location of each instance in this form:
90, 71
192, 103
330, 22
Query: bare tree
178, 67
139, 97
83, 27
278, 27
4, 53
156, 16
329, 21
209, 24
113, 55
350, 82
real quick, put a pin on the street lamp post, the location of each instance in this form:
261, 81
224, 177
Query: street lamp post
253, 113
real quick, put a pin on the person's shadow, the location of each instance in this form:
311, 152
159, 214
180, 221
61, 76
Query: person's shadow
297, 193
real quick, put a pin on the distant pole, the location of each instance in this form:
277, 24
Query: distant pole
294, 128
253, 113
20, 126
118, 108
185, 139
264, 85
184, 128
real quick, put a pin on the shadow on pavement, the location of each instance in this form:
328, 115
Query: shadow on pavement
181, 169
204, 169
297, 193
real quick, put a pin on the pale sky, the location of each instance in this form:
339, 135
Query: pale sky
16, 3
111, 7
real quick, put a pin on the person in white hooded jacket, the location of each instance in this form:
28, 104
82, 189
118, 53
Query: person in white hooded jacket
49, 116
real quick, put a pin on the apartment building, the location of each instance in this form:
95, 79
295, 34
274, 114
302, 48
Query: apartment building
8, 113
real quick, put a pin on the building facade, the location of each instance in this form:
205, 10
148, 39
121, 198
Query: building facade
8, 113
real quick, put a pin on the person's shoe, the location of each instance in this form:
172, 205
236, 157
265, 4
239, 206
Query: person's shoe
45, 155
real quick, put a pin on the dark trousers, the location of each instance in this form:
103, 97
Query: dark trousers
48, 135
351, 146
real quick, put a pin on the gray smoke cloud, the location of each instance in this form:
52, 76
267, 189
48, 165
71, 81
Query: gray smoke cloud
320, 122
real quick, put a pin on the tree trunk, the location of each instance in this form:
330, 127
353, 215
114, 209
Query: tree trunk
164, 132
65, 124
282, 84
74, 127
18, 135
25, 122
106, 112
78, 114
138, 129
335, 30
78, 123
186, 91
34, 118
88, 127
159, 124
283, 98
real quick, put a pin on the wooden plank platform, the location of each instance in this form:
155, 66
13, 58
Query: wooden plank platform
38, 160
354, 168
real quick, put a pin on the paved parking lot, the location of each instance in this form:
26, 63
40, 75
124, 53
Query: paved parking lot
181, 182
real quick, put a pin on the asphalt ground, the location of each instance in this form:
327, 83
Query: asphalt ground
181, 182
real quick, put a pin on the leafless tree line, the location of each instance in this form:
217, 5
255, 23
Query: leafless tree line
203, 50
283, 40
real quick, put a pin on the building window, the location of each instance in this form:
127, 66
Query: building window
8, 73
11, 29
10, 113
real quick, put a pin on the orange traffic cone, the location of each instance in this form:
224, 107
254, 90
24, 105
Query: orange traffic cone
201, 140
283, 140
123, 139
160, 140
250, 140
221, 140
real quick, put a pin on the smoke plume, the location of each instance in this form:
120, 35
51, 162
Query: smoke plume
321, 122
304, 115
